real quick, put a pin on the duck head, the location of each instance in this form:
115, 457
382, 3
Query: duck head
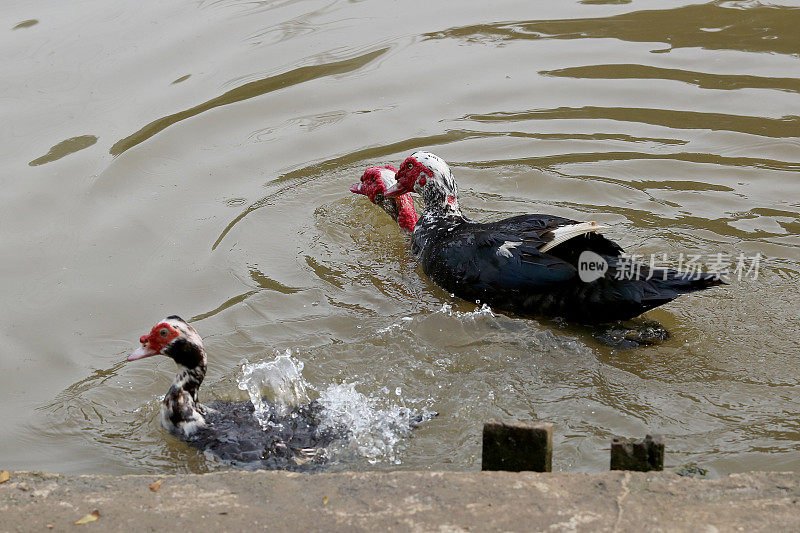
174, 338
429, 176
374, 183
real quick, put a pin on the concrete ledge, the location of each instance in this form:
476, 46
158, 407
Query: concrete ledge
404, 501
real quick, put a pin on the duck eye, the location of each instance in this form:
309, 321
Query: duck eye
163, 332
410, 166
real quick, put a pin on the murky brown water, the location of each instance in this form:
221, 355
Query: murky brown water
195, 157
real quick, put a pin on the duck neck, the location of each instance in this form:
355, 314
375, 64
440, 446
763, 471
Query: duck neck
401, 209
180, 411
189, 380
441, 202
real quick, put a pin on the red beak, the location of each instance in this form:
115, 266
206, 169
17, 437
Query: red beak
356, 188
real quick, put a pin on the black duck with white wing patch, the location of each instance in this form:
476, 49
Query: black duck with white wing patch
528, 264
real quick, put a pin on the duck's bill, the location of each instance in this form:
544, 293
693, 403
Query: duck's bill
395, 191
356, 188
141, 353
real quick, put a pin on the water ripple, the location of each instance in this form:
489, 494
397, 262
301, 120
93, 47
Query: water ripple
765, 28
248, 90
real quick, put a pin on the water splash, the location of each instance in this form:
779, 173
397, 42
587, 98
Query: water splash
483, 311
368, 427
274, 387
397, 325
374, 431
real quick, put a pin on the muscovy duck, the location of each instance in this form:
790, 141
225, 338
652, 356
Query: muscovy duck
529, 264
229, 429
374, 183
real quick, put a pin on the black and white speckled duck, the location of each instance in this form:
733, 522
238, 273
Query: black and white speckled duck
529, 264
228, 429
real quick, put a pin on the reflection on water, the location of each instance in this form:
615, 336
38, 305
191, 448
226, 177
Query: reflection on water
704, 80
721, 25
64, 148
248, 90
26, 24
669, 118
229, 202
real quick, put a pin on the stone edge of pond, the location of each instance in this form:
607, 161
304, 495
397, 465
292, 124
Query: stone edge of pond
403, 500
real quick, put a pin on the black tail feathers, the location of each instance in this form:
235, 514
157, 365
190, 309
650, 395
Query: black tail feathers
686, 281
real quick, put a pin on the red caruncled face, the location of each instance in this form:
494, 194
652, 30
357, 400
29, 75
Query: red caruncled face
161, 335
411, 172
372, 183
154, 343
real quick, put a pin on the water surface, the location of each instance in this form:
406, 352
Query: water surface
194, 158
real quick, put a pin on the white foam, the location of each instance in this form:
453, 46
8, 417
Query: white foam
280, 380
396, 325
373, 426
483, 311
375, 430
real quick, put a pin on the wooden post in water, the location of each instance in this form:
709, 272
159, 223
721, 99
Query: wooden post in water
638, 455
517, 446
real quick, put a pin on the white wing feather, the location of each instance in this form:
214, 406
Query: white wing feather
565, 233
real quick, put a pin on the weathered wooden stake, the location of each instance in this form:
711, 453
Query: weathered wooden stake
517, 446
638, 455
